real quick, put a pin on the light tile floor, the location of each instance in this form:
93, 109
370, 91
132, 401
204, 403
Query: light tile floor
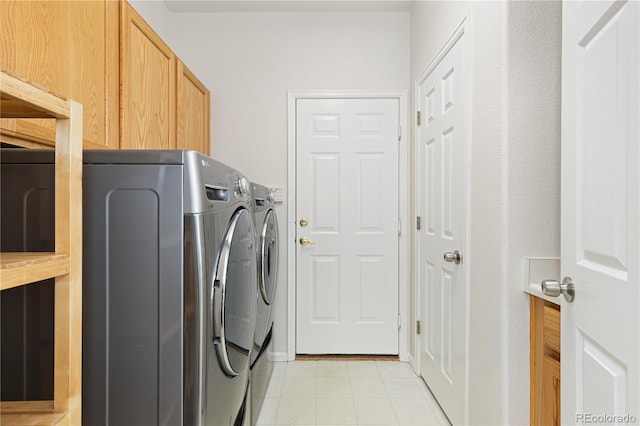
348, 393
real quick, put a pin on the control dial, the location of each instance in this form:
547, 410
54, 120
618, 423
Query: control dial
242, 186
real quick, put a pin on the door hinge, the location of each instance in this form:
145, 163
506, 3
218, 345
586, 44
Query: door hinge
399, 322
399, 227
399, 133
417, 327
418, 220
418, 117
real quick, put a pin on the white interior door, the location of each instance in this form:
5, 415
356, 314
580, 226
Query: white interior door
347, 192
442, 169
600, 211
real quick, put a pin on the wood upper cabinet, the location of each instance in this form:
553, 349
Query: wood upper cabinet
136, 94
68, 47
163, 104
193, 118
148, 86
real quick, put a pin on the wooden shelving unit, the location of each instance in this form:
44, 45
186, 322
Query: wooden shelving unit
21, 99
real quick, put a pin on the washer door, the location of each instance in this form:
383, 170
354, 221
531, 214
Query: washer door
268, 266
233, 301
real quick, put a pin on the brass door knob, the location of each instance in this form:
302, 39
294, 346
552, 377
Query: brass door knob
306, 242
304, 223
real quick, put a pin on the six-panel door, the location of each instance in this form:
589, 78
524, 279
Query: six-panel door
347, 192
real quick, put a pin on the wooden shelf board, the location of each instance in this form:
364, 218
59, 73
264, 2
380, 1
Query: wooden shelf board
14, 109
22, 267
31, 419
29, 413
13, 407
24, 141
32, 98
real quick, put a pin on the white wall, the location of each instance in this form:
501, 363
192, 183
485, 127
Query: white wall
156, 13
515, 175
533, 173
486, 256
250, 60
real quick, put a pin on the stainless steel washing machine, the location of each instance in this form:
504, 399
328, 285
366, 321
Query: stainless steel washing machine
267, 254
169, 286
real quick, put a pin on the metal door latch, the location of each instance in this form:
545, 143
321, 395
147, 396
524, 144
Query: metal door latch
454, 256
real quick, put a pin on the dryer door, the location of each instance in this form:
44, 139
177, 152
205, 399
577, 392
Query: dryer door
268, 266
233, 301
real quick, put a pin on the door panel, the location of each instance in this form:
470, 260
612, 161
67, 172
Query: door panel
347, 190
325, 211
193, 111
148, 85
70, 48
370, 199
600, 209
326, 290
441, 173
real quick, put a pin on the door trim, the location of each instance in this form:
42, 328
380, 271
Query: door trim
462, 30
403, 182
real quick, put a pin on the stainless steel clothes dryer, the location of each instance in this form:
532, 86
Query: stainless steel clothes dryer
267, 243
217, 362
169, 285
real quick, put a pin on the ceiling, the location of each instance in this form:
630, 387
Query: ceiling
179, 6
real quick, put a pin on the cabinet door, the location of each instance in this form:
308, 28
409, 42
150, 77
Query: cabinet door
193, 117
94, 31
545, 362
550, 391
70, 48
34, 47
147, 73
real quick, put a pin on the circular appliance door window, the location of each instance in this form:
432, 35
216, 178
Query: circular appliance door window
268, 257
234, 295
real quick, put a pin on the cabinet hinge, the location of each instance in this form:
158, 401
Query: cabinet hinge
418, 117
417, 327
418, 222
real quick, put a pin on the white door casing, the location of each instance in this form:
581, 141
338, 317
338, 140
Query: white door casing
347, 190
600, 211
442, 148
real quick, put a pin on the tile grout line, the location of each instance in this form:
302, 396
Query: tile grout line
386, 390
329, 373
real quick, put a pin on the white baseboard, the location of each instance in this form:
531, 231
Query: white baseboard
413, 364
